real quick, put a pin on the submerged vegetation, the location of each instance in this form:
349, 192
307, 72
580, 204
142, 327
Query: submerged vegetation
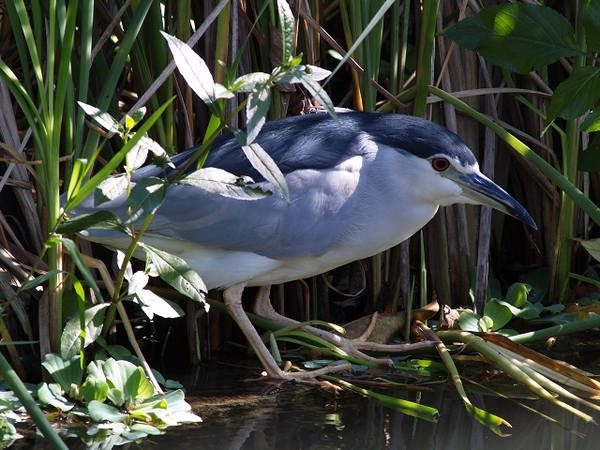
88, 89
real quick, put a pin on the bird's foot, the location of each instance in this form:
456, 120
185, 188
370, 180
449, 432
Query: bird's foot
354, 347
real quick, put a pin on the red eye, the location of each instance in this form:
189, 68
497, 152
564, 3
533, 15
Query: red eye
440, 164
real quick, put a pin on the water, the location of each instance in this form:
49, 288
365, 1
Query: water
260, 415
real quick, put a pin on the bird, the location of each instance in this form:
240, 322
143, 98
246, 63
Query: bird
358, 185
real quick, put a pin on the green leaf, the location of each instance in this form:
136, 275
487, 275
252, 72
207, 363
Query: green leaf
103, 220
104, 119
137, 116
153, 304
250, 82
70, 339
517, 36
576, 95
70, 246
193, 69
94, 389
146, 197
593, 247
221, 182
138, 386
499, 314
49, 394
469, 321
287, 24
530, 311
262, 162
110, 188
488, 419
591, 23
259, 102
177, 273
99, 412
517, 294
591, 122
589, 160
41, 279
64, 372
485, 324
136, 157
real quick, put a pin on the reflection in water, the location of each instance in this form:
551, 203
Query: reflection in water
257, 415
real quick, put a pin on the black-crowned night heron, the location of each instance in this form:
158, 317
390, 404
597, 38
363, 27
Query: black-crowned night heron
357, 188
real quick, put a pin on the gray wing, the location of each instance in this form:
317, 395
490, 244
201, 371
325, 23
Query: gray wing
317, 217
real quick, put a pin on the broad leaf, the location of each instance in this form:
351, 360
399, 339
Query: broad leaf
64, 372
500, 314
193, 69
70, 341
48, 394
219, 181
138, 386
469, 321
94, 389
576, 95
517, 294
177, 273
517, 36
100, 412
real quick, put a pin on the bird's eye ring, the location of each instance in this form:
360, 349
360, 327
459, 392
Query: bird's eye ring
440, 164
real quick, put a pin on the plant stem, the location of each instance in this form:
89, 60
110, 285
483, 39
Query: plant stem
30, 405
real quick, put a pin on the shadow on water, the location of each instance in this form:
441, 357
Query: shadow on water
258, 415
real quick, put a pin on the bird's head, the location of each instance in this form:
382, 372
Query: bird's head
444, 169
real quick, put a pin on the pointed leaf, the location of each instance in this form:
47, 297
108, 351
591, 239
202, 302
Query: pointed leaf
177, 273
259, 102
591, 122
193, 69
110, 188
146, 197
517, 36
591, 22
250, 82
576, 95
219, 181
317, 91
153, 304
287, 23
264, 164
104, 220
136, 157
70, 340
104, 119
